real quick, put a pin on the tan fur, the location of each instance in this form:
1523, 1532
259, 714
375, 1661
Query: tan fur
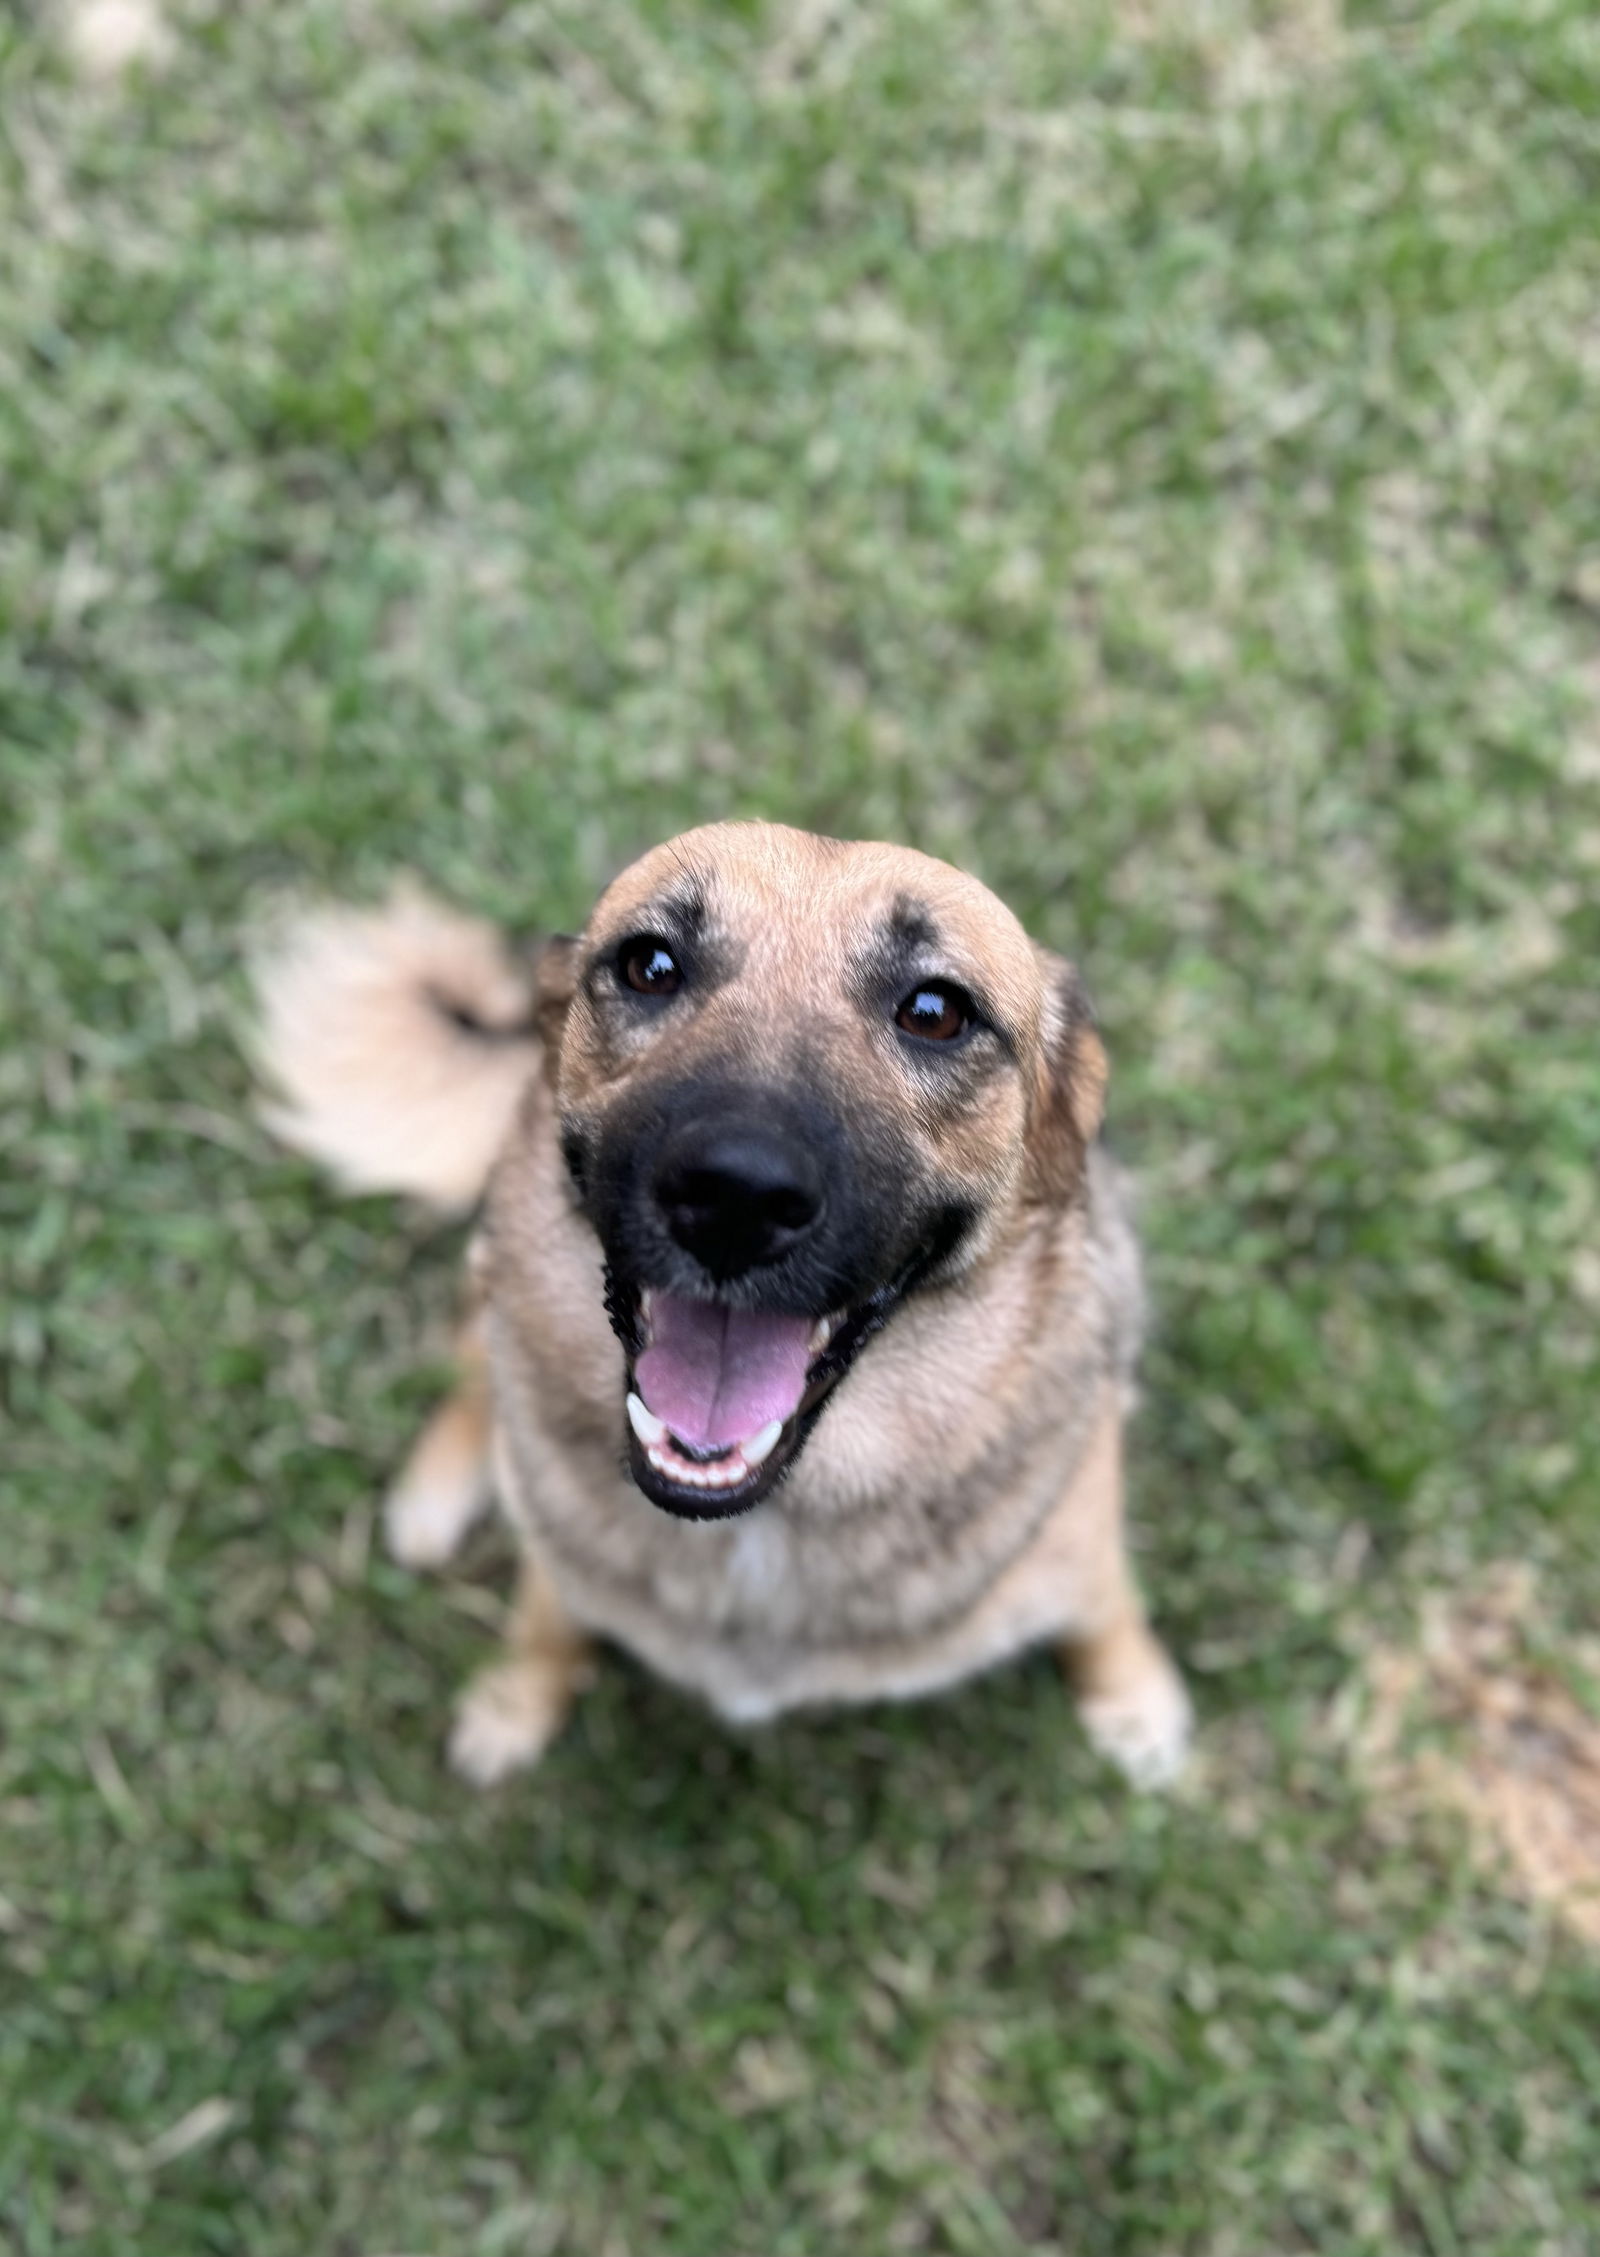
961, 1496
512, 1710
444, 1484
369, 1074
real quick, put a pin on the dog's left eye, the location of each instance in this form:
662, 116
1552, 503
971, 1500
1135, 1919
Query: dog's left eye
937, 1012
649, 967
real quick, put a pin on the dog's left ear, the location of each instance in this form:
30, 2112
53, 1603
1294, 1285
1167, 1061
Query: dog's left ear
555, 983
1069, 1094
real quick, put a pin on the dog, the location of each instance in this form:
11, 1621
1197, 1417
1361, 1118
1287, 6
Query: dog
805, 1301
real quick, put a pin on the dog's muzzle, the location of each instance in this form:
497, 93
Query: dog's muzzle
753, 1246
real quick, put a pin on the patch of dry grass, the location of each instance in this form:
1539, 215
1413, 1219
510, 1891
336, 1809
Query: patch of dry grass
1493, 1715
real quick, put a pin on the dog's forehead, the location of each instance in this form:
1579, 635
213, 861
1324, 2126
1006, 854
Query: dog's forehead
763, 883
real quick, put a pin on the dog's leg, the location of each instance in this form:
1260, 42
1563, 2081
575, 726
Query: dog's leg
512, 1710
444, 1485
1131, 1698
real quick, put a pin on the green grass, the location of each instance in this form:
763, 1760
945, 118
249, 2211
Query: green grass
1146, 453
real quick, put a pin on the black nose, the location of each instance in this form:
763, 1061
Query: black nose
737, 1197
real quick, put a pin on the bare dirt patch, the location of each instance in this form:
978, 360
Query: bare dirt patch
1491, 1716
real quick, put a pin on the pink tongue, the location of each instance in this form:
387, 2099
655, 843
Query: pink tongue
719, 1375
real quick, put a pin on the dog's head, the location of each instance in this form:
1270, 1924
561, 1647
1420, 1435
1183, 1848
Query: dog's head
797, 1080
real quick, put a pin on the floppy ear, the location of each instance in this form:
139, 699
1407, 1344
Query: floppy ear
1070, 1089
555, 983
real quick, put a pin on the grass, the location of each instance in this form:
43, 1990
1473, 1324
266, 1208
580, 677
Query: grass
1144, 453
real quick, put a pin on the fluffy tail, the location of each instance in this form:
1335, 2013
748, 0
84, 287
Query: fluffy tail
395, 1043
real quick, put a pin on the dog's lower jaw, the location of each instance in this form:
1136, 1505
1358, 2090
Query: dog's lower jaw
686, 1501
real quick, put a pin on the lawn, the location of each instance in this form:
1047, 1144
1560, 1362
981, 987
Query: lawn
1149, 453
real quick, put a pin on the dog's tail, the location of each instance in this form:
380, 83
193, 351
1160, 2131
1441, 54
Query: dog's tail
395, 1044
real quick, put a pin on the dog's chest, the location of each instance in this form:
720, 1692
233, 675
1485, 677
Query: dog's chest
765, 1613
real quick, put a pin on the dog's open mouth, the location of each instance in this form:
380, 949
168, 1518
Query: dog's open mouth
720, 1400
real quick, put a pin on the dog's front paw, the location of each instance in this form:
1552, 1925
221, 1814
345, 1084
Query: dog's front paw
506, 1719
1143, 1727
444, 1486
424, 1522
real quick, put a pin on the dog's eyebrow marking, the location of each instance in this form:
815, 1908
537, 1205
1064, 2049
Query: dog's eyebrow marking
680, 913
910, 925
683, 906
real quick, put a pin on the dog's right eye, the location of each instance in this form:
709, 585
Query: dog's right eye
937, 1012
649, 967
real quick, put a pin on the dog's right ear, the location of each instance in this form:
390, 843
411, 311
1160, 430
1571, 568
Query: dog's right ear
555, 983
1069, 1098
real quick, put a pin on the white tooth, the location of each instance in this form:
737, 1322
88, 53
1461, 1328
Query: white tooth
647, 1302
645, 1424
823, 1331
760, 1446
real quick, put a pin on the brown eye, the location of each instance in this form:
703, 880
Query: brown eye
649, 967
937, 1012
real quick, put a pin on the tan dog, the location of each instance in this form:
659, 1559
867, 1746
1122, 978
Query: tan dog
806, 1303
